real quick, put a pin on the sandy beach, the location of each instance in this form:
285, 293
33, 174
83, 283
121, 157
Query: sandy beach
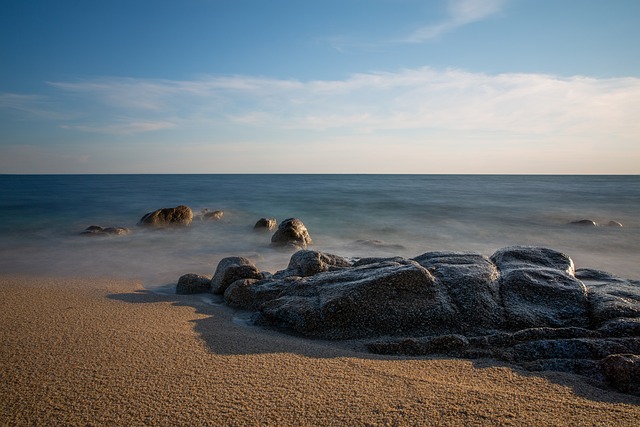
108, 352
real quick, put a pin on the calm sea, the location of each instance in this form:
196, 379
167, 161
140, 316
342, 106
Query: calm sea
349, 215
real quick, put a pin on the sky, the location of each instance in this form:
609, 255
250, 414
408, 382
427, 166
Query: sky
320, 86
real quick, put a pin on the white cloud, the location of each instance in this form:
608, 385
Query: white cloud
424, 98
460, 13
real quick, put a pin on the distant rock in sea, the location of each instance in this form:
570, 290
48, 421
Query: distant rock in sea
212, 215
96, 230
265, 224
180, 215
584, 223
525, 305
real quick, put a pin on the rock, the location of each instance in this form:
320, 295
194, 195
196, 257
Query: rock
215, 215
524, 305
584, 223
180, 215
610, 297
231, 269
615, 224
370, 300
471, 281
265, 224
538, 288
306, 263
96, 230
291, 233
623, 371
193, 284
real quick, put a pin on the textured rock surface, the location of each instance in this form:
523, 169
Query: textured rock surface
524, 305
231, 269
180, 215
193, 284
291, 233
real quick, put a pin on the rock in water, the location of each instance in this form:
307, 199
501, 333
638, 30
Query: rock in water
584, 223
291, 233
213, 216
265, 224
96, 230
180, 215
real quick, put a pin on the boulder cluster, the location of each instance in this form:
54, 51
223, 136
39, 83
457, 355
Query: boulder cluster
525, 305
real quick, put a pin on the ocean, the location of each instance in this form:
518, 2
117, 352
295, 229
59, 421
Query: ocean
42, 216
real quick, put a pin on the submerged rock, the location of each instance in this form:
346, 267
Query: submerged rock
96, 230
584, 223
180, 215
212, 216
291, 233
614, 224
265, 224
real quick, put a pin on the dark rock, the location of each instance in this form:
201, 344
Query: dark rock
584, 223
610, 297
239, 295
96, 230
265, 224
614, 224
305, 263
538, 288
623, 371
193, 284
525, 305
213, 216
375, 299
291, 233
471, 280
180, 215
231, 269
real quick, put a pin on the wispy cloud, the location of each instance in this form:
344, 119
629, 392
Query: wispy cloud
460, 13
411, 100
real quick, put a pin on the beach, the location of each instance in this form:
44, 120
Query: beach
98, 351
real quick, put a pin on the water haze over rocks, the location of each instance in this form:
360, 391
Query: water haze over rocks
41, 218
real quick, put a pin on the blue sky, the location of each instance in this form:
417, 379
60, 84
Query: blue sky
349, 86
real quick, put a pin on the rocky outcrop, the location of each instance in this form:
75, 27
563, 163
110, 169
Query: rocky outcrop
291, 233
525, 305
96, 230
180, 216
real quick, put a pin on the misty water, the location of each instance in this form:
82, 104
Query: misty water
41, 218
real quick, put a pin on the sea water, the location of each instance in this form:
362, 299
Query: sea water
42, 217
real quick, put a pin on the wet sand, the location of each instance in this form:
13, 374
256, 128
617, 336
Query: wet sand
107, 352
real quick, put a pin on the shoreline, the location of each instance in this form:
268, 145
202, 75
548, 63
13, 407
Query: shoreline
88, 351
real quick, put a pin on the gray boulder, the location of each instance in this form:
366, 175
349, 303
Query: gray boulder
538, 288
623, 371
291, 233
179, 216
193, 284
231, 269
306, 263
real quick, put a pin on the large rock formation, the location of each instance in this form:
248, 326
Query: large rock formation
180, 215
524, 305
